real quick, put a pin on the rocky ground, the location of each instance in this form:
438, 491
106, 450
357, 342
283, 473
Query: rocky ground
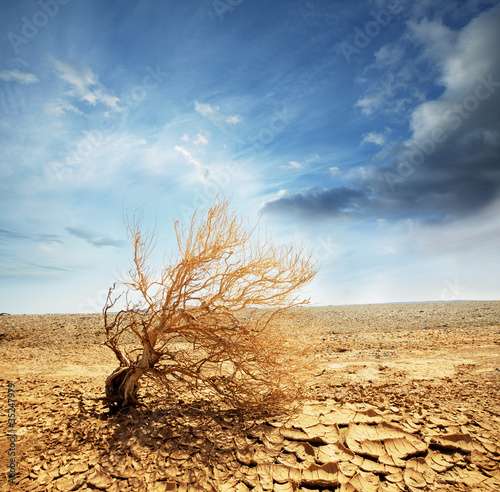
401, 397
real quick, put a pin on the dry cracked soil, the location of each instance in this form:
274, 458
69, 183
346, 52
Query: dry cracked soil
401, 397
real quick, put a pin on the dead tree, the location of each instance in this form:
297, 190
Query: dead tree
209, 320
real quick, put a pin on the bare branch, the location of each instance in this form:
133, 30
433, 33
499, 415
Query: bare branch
215, 318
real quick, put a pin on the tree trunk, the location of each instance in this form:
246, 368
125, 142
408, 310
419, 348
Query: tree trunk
123, 384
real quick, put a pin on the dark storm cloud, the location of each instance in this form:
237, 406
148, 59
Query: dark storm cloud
317, 201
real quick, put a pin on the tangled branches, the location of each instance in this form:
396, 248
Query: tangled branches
212, 321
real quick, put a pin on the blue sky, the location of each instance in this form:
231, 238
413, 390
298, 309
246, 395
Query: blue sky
367, 131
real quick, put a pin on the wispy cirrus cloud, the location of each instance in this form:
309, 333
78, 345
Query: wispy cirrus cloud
61, 107
373, 137
94, 239
369, 104
202, 172
214, 114
292, 165
41, 266
85, 85
39, 238
15, 75
389, 54
200, 140
295, 164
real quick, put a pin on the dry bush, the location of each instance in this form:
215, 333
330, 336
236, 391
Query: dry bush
215, 321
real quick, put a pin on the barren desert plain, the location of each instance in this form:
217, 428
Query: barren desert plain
401, 397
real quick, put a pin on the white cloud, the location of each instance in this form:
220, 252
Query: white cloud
233, 119
300, 165
16, 75
77, 74
202, 172
388, 54
437, 39
213, 114
463, 65
85, 84
60, 107
369, 104
364, 173
473, 55
335, 171
292, 165
115, 159
394, 93
189, 157
200, 140
375, 138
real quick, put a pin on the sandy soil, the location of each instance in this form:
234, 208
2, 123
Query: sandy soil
402, 397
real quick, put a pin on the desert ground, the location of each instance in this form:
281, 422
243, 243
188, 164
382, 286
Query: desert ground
401, 397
